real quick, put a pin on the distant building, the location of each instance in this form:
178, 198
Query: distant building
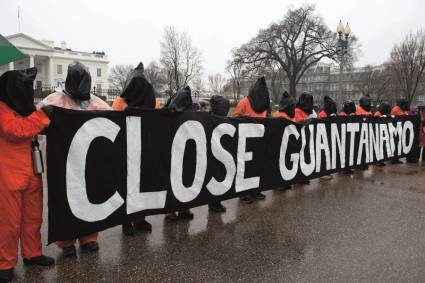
52, 62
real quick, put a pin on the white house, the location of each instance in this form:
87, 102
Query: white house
52, 62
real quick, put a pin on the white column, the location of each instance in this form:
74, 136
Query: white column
51, 73
11, 66
31, 61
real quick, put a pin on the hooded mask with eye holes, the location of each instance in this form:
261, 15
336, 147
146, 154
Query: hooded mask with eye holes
403, 103
349, 107
385, 108
181, 101
78, 81
329, 105
17, 91
258, 96
305, 103
366, 103
219, 105
287, 104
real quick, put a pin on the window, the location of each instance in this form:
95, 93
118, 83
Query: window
99, 72
59, 69
99, 87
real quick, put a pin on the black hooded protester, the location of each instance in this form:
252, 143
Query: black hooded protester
181, 101
78, 82
137, 93
365, 106
329, 107
384, 110
305, 107
349, 108
218, 106
257, 103
401, 108
286, 107
21, 188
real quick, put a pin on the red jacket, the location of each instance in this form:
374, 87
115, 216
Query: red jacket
300, 115
16, 133
244, 109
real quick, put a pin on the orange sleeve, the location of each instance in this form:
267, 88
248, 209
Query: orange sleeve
17, 128
240, 108
119, 104
323, 115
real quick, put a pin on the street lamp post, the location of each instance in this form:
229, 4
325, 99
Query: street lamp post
342, 49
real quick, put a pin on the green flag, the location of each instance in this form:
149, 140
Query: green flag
8, 52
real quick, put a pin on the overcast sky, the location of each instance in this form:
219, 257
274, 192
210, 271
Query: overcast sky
131, 31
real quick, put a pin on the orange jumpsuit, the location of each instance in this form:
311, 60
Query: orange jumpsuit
119, 104
361, 112
244, 108
300, 115
397, 111
283, 115
343, 114
60, 99
323, 114
377, 114
21, 191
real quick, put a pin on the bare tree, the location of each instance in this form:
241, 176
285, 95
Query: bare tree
180, 60
407, 63
375, 83
119, 74
156, 76
216, 83
296, 43
238, 72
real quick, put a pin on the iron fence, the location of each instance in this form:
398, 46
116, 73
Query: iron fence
108, 95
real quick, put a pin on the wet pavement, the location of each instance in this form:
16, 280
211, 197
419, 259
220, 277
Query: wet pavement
368, 227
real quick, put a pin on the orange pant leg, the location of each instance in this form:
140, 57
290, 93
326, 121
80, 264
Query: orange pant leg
32, 217
10, 223
88, 239
63, 244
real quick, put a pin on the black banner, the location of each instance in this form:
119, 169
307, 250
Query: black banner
105, 168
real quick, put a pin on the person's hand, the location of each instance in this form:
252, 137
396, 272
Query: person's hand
48, 110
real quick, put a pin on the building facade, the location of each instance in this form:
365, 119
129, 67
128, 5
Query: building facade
52, 62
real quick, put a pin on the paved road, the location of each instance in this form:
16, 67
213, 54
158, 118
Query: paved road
368, 227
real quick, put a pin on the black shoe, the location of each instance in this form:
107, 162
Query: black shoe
381, 164
411, 160
6, 275
307, 182
90, 247
185, 214
348, 172
143, 225
171, 217
41, 260
284, 188
364, 168
259, 196
246, 199
396, 161
69, 251
128, 229
217, 207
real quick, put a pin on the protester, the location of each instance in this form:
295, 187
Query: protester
349, 108
329, 108
181, 101
286, 107
21, 189
304, 107
137, 93
421, 110
365, 107
76, 96
256, 104
400, 109
218, 106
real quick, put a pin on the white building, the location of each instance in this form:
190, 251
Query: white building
52, 62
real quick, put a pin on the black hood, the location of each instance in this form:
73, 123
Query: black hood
78, 81
366, 103
305, 103
181, 101
403, 103
287, 104
329, 105
138, 91
349, 107
258, 96
385, 108
17, 90
219, 105
140, 67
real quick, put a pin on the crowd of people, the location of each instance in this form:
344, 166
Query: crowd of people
21, 189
